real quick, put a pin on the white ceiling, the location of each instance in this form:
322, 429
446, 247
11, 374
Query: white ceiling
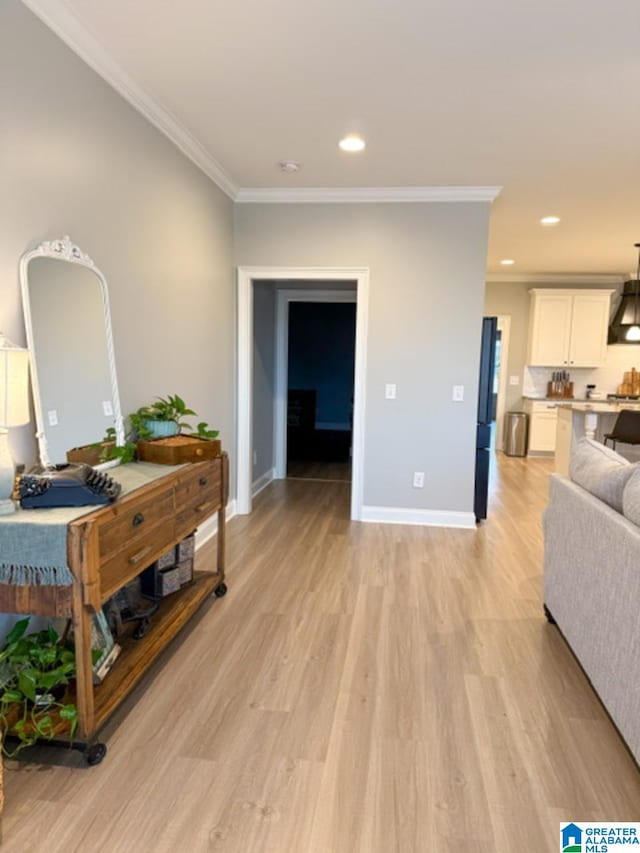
538, 97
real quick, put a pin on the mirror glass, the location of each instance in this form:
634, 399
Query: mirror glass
69, 333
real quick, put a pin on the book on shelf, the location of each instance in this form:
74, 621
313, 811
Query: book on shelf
102, 641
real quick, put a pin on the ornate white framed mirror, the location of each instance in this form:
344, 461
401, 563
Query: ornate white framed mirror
73, 372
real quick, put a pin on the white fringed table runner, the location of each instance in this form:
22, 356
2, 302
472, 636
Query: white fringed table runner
33, 542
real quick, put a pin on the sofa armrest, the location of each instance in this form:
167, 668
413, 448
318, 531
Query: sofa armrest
592, 589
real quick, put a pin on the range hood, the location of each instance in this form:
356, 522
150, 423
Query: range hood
625, 326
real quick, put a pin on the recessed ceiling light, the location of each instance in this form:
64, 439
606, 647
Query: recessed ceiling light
352, 143
289, 166
549, 220
507, 262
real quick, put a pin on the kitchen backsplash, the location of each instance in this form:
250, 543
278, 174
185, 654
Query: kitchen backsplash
606, 378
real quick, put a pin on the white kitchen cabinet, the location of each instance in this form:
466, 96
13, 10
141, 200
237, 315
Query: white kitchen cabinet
568, 328
543, 419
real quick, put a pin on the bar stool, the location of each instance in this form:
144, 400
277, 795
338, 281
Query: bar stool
626, 429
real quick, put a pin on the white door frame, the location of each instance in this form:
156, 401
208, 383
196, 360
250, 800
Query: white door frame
304, 276
504, 324
283, 301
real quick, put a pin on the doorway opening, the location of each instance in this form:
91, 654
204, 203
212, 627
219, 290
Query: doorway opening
500, 380
319, 328
306, 281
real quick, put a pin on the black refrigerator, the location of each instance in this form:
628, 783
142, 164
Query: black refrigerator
485, 414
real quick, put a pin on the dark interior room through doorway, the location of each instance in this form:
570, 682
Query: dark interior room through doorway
321, 361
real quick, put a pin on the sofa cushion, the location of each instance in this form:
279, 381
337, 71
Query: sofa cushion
601, 471
631, 497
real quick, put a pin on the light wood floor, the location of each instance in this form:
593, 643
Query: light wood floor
361, 689
319, 471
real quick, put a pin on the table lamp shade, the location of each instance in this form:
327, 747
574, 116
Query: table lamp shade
14, 384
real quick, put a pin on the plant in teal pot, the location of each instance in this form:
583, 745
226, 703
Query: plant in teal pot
162, 418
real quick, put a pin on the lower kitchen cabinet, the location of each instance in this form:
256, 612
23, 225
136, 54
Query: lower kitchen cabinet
543, 418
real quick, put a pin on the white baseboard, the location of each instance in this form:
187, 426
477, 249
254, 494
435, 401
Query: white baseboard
262, 482
423, 517
209, 528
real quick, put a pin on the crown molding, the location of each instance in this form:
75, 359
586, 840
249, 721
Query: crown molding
59, 18
573, 279
67, 27
350, 195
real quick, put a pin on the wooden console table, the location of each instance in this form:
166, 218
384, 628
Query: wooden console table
107, 548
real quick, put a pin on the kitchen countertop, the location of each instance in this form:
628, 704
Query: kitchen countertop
581, 404
603, 406
562, 399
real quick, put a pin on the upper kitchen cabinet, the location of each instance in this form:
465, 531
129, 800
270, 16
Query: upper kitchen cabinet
568, 327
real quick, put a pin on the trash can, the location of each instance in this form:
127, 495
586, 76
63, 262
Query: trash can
516, 433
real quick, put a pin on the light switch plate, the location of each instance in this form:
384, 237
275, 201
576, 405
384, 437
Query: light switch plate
390, 391
418, 479
52, 417
458, 394
514, 380
107, 408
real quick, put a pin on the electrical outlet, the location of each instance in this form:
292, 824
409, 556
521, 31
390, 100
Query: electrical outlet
514, 380
458, 393
418, 479
52, 417
107, 408
390, 392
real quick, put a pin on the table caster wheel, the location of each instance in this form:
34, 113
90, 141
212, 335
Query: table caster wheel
221, 590
141, 629
95, 753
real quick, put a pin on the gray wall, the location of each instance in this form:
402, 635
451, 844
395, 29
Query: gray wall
78, 160
264, 332
426, 266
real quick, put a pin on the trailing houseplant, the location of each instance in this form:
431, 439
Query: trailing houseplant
168, 412
164, 417
110, 450
35, 670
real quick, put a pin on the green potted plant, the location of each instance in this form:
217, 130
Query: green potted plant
110, 450
35, 670
164, 418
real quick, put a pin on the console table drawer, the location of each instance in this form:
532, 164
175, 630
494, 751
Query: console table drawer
135, 556
198, 494
132, 524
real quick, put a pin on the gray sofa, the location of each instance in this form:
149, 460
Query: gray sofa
592, 576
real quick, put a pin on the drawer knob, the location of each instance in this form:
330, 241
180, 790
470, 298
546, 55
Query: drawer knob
138, 518
202, 481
